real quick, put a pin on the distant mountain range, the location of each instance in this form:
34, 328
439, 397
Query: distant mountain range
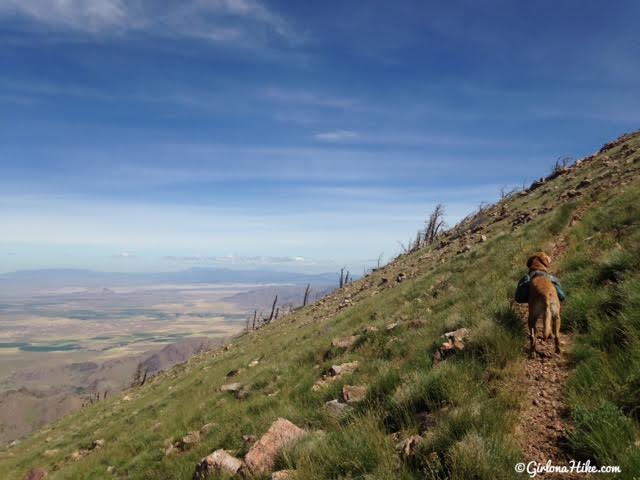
92, 278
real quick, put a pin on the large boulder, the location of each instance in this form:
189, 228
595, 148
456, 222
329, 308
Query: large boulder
262, 456
218, 462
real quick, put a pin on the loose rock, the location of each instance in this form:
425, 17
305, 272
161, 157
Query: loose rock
417, 323
262, 456
206, 428
336, 408
344, 368
453, 344
354, 393
77, 455
345, 342
188, 441
282, 475
35, 474
97, 444
231, 387
218, 461
409, 447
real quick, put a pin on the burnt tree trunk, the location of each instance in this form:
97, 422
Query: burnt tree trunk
306, 295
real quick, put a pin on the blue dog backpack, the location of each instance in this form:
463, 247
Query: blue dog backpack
522, 290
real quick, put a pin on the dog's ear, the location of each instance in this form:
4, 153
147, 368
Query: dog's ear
545, 259
530, 261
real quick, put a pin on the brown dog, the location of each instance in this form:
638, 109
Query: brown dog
543, 302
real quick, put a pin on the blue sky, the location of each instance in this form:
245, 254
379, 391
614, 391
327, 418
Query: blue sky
142, 135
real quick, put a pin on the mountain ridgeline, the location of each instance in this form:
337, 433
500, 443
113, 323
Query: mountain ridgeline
417, 370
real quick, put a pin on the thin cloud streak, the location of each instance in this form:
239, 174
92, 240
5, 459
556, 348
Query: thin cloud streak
199, 19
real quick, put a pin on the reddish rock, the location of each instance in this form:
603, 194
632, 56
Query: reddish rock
35, 474
218, 462
344, 369
354, 393
453, 344
262, 456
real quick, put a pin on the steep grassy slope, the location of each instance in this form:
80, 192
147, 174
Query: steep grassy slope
589, 215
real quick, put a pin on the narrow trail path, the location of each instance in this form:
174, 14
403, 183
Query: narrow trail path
545, 423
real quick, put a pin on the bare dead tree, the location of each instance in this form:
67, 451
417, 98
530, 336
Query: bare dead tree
104, 395
255, 317
417, 242
562, 163
342, 277
144, 377
380, 259
273, 309
137, 375
435, 225
306, 295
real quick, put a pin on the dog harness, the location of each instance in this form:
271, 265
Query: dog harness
522, 291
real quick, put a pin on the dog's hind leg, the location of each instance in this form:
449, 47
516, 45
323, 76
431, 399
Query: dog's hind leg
555, 314
532, 335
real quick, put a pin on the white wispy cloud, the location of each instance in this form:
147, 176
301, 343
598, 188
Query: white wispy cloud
405, 139
337, 136
220, 21
82, 15
123, 255
241, 260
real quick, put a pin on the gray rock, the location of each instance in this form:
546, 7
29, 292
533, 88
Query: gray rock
219, 461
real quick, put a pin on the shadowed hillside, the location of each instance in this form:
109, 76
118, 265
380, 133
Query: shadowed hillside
381, 394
